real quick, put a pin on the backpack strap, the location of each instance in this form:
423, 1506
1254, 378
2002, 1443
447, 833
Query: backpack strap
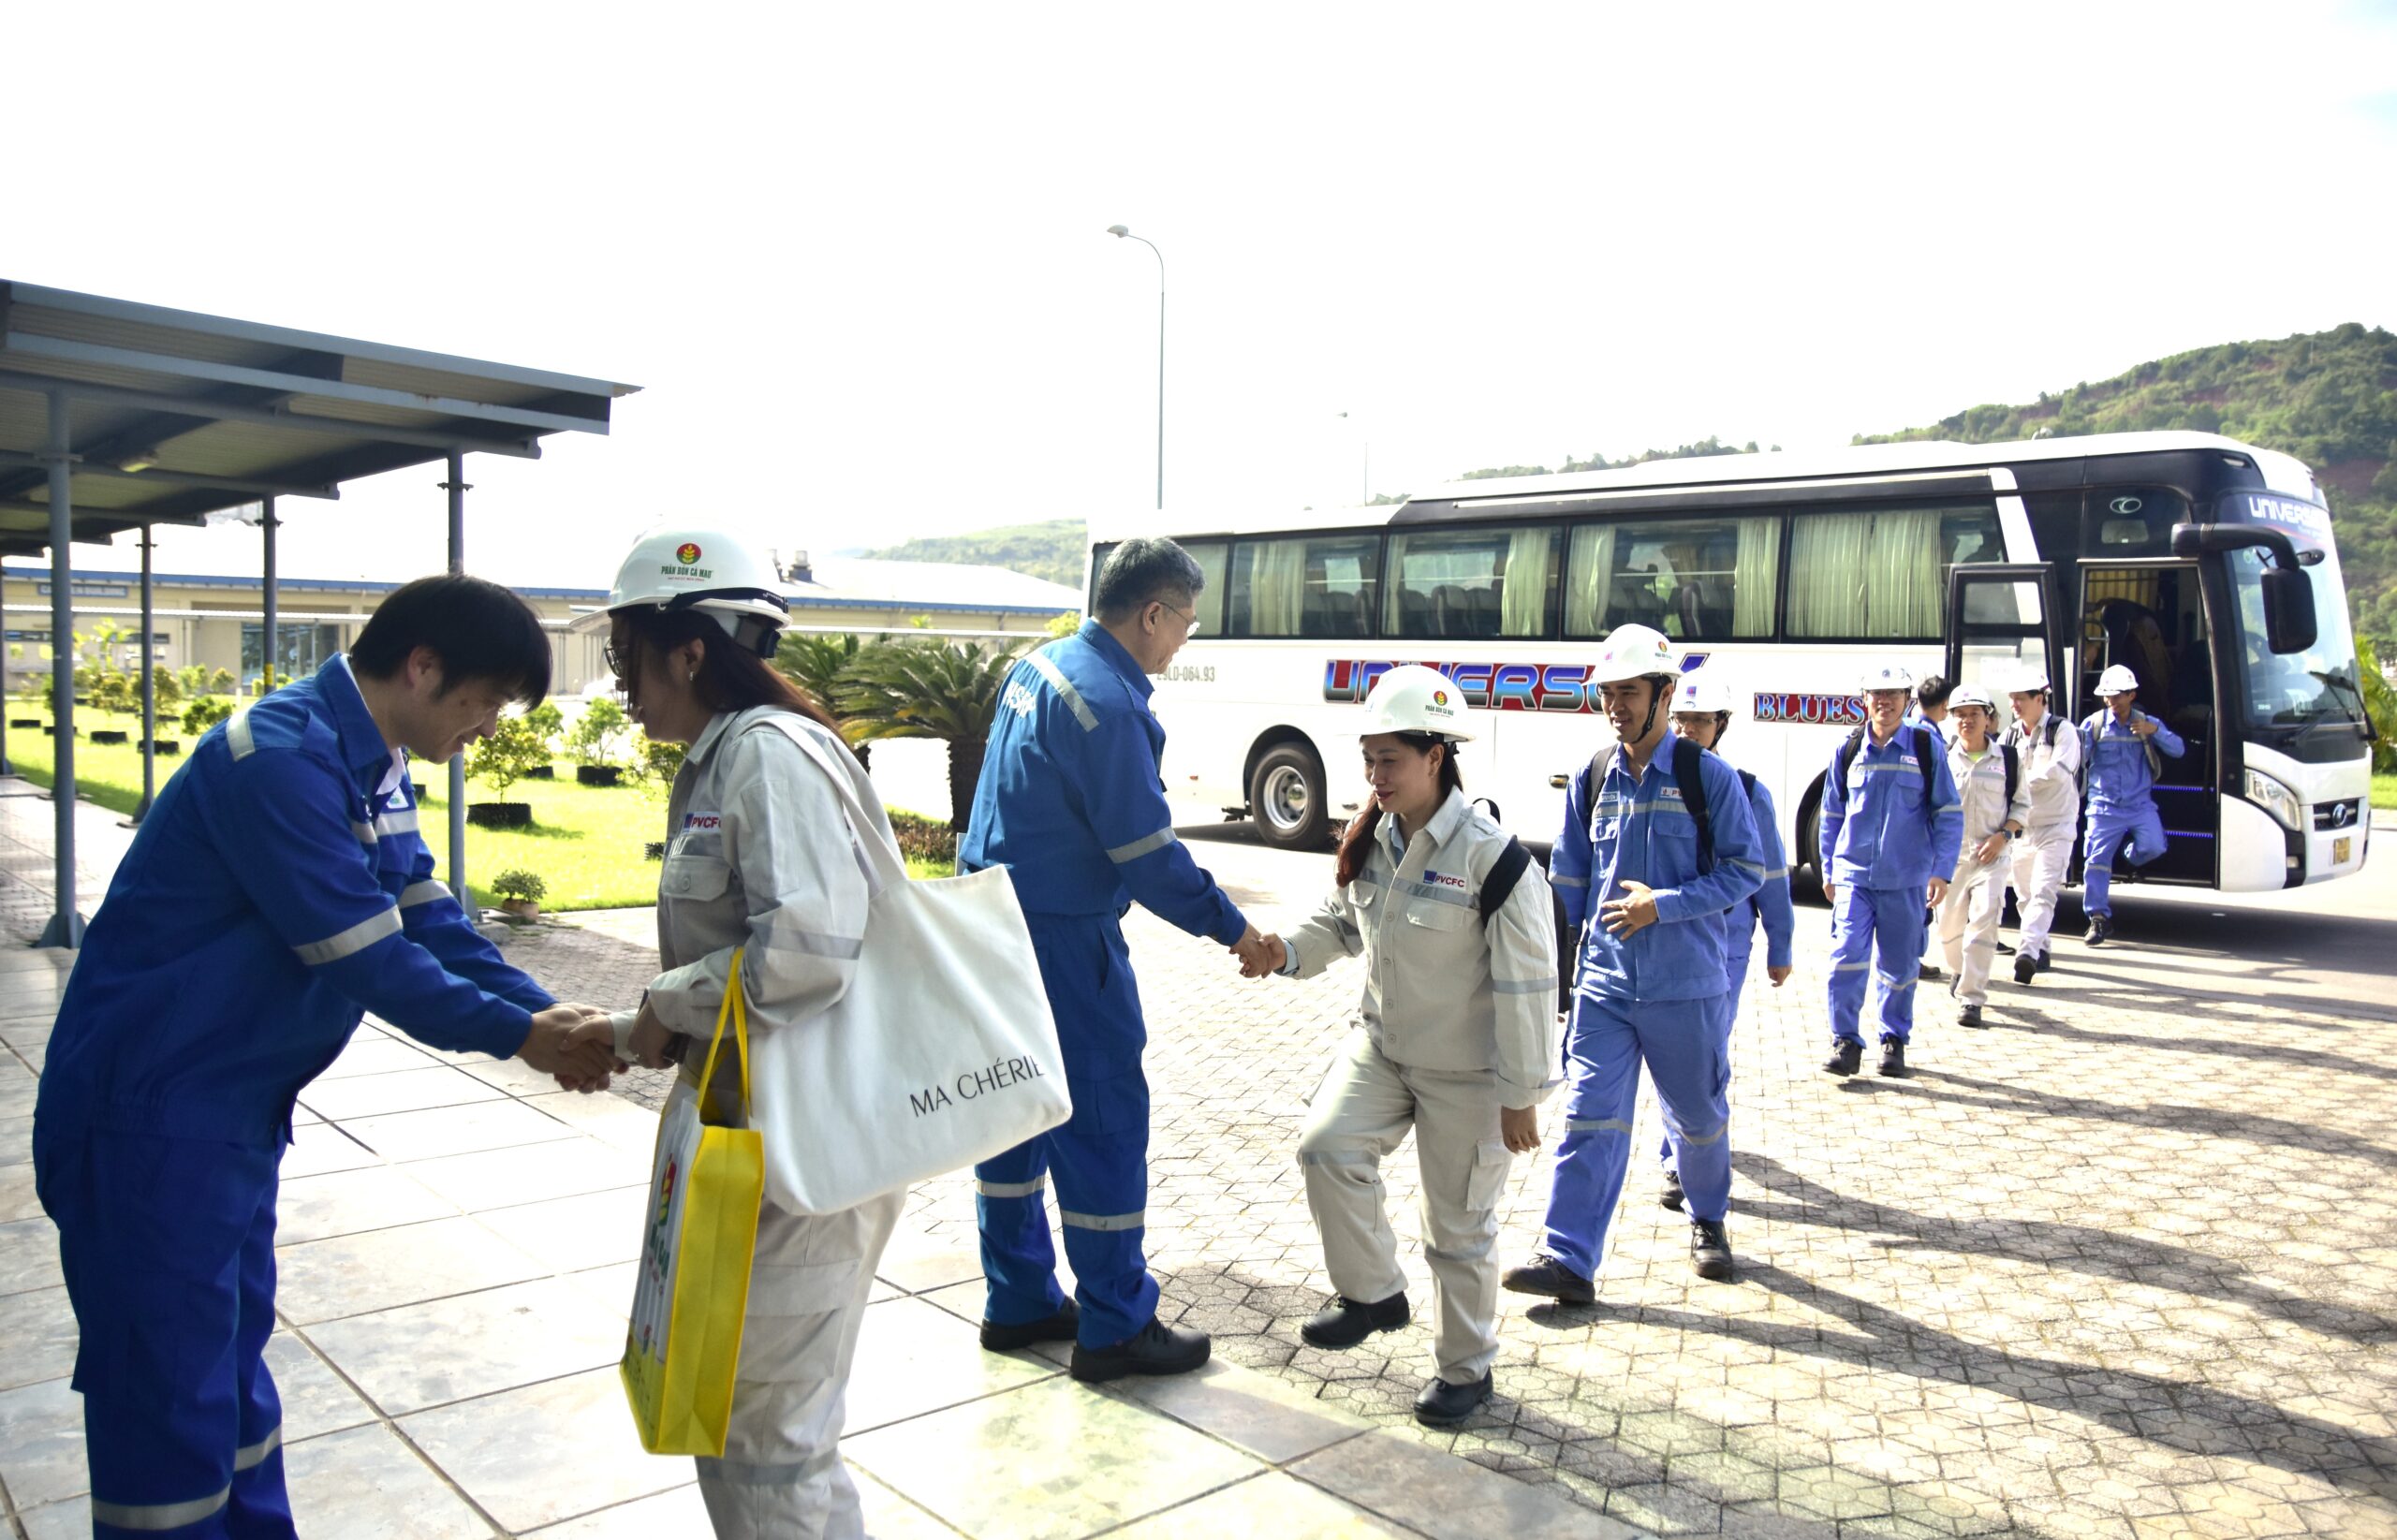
1689, 774
1747, 783
1925, 735
1847, 752
1505, 872
2013, 772
1590, 792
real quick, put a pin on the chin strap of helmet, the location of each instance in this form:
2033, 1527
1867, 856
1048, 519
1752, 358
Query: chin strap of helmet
1662, 687
1722, 724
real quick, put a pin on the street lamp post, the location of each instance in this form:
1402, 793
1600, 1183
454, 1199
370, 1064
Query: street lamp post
1121, 232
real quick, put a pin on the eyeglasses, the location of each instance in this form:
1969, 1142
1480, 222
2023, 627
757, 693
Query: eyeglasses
1190, 617
618, 661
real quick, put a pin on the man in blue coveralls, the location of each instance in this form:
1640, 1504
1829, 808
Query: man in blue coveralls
1893, 826
2120, 746
1653, 987
1071, 802
278, 886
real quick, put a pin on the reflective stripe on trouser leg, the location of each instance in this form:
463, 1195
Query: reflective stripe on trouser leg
2040, 859
167, 1251
1735, 964
1011, 1218
1687, 1051
1851, 960
1098, 1162
781, 1477
1357, 1116
1463, 1160
1602, 1089
1898, 929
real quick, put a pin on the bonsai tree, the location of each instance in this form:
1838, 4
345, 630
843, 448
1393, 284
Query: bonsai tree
928, 687
520, 893
501, 760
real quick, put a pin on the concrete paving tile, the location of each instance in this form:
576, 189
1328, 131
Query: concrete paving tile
917, 1262
1271, 1504
463, 1130
29, 1256
610, 1285
407, 1091
479, 1444
382, 1270
512, 1076
366, 1484
610, 1120
374, 1054
41, 1444
1402, 1479
321, 1148
891, 1516
316, 1400
428, 1355
1271, 1418
913, 1358
574, 1234
659, 1516
371, 1197
67, 1520
501, 1179
17, 1199
39, 1326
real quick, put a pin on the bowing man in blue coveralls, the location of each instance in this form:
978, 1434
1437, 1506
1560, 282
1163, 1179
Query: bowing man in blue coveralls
1070, 801
1653, 987
2120, 746
1893, 826
278, 886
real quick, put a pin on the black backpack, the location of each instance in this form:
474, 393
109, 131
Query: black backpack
1689, 776
1924, 753
1498, 884
2050, 726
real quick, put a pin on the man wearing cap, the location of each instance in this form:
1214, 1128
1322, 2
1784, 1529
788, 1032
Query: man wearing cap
1892, 827
1997, 808
2122, 745
2049, 758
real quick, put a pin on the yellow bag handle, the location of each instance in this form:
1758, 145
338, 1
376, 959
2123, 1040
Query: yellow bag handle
738, 1010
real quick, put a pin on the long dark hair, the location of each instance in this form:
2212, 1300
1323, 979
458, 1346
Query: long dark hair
731, 678
1357, 842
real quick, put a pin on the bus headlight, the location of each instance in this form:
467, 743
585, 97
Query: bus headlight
2275, 798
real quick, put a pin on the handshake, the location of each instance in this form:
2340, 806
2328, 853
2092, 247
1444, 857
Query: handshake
1259, 953
577, 1045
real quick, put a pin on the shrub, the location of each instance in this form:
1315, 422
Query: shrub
501, 760
192, 678
655, 765
205, 712
592, 741
924, 839
220, 681
547, 722
114, 692
521, 886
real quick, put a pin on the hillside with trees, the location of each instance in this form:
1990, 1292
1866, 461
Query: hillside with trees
1054, 549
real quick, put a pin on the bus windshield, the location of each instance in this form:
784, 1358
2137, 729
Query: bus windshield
2317, 687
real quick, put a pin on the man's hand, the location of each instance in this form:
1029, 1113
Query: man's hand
1520, 1127
1989, 850
1631, 914
2144, 726
1260, 954
1831, 893
1779, 975
573, 1043
1938, 891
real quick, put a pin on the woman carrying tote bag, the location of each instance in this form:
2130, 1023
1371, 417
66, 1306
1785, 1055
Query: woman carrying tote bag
761, 857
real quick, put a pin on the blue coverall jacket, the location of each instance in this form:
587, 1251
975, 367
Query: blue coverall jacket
1639, 832
1768, 903
2120, 776
1875, 830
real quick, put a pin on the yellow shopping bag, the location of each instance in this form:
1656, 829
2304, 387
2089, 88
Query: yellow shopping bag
692, 1291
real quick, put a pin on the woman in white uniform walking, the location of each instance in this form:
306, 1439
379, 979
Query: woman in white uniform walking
759, 858
1456, 1037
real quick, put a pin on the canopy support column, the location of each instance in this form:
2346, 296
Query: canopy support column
271, 633
456, 486
148, 695
65, 927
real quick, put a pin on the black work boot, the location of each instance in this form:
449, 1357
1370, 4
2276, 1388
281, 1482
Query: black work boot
1893, 1058
1670, 1196
2004, 951
2027, 967
1154, 1349
1968, 1017
1710, 1250
1444, 1405
1347, 1322
2101, 930
1929, 973
1848, 1057
1059, 1327
1544, 1274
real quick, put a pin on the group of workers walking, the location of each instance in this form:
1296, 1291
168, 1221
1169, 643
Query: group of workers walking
280, 889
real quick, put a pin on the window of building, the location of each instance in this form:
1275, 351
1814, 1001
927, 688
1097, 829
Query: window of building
1322, 585
1695, 579
1477, 582
1882, 573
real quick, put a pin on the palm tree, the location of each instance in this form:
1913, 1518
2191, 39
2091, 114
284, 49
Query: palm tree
928, 687
818, 664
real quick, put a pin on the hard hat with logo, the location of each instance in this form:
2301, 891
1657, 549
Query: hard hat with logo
1702, 690
2030, 679
675, 566
2117, 680
1412, 698
1888, 676
1972, 695
1634, 651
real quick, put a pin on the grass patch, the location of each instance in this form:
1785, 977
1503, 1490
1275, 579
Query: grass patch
587, 843
2384, 791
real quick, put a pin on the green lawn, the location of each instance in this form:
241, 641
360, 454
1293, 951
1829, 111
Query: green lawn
2384, 791
587, 842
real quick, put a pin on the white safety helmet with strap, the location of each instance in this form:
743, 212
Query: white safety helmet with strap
2029, 680
1888, 676
1703, 690
2116, 681
675, 566
1413, 699
1635, 652
1972, 694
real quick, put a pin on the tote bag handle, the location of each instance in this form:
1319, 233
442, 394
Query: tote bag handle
738, 1010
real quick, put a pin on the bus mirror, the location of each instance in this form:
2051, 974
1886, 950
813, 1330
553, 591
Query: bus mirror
2288, 609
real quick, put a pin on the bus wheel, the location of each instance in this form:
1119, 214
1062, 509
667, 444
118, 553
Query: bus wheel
1285, 797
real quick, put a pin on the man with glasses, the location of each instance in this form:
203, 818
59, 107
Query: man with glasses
1070, 801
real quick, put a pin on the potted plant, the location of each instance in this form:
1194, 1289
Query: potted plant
499, 762
520, 893
591, 743
546, 722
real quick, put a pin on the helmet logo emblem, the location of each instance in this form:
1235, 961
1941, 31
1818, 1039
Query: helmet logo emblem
686, 552
1439, 697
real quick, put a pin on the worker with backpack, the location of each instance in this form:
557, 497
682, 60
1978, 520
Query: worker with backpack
1456, 1037
1997, 807
2124, 749
2049, 753
1655, 881
1892, 827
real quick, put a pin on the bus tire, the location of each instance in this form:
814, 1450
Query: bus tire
1810, 844
1285, 798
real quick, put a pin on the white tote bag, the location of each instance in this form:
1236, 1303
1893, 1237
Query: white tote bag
942, 1053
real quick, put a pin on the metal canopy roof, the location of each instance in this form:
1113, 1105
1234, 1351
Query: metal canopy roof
173, 415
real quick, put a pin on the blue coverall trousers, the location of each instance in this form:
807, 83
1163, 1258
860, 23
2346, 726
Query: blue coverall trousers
1876, 933
1686, 1050
167, 1246
2136, 834
1099, 1158
1735, 962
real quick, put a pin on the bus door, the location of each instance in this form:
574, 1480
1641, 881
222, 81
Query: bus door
2149, 616
1998, 623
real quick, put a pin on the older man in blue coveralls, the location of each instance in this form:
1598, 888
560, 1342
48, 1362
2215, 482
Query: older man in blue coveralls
1893, 826
1653, 987
2120, 744
1071, 802
278, 886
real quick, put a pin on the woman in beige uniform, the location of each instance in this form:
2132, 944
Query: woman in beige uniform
1456, 1037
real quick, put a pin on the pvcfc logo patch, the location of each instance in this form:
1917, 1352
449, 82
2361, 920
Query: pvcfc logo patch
687, 553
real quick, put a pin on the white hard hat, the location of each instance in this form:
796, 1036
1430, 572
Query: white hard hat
675, 566
1412, 698
2117, 680
1888, 676
1702, 690
2028, 679
1972, 695
1634, 651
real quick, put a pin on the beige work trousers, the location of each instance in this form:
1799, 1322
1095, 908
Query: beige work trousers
1968, 917
1357, 1117
781, 1477
2041, 857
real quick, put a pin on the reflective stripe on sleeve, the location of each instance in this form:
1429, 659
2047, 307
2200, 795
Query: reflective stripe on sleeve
238, 739
1141, 846
784, 936
1010, 1189
401, 822
365, 933
1133, 1221
250, 1456
158, 1515
1555, 881
365, 832
1523, 986
422, 892
1065, 692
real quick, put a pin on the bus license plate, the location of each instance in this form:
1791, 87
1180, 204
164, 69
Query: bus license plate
2340, 848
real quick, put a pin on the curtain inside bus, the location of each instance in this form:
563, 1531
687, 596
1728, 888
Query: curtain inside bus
1588, 577
1759, 577
1529, 579
1871, 574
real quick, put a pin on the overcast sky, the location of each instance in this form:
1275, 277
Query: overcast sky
855, 255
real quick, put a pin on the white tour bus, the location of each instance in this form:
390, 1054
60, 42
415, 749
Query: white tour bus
2204, 565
